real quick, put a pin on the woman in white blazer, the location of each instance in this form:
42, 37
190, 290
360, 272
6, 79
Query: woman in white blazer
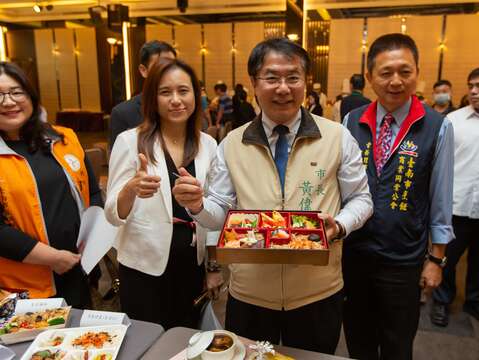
160, 248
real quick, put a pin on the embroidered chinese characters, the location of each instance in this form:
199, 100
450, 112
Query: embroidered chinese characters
308, 190
404, 177
366, 154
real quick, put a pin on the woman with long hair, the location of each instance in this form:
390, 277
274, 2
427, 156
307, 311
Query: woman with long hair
160, 248
45, 184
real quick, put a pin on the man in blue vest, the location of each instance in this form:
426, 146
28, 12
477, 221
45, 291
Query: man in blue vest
408, 152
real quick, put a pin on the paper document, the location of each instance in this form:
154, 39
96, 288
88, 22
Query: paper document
96, 236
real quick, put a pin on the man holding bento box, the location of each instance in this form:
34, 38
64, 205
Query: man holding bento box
285, 159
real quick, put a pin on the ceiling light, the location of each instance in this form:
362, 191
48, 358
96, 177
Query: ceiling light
37, 8
111, 40
293, 37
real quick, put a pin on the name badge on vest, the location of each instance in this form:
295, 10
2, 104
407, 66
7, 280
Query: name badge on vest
73, 162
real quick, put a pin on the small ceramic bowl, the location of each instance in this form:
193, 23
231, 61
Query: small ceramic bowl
227, 354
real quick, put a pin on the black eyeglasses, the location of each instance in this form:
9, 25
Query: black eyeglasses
16, 96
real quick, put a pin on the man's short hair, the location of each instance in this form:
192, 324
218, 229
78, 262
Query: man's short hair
221, 87
473, 74
391, 42
282, 46
357, 81
154, 47
441, 83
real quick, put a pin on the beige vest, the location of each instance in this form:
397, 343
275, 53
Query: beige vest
310, 184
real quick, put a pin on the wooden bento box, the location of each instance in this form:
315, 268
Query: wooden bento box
273, 237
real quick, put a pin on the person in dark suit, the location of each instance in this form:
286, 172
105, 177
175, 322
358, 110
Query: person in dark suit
314, 106
356, 99
127, 114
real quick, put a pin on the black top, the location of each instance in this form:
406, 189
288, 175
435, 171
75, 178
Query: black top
351, 102
126, 115
57, 202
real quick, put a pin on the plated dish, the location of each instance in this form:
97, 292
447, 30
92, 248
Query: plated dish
89, 343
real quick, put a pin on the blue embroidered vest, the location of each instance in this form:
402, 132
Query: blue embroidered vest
397, 233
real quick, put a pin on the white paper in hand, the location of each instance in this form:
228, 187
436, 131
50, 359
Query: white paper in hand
96, 236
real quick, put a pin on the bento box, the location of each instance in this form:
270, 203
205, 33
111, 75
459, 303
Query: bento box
273, 237
26, 326
85, 343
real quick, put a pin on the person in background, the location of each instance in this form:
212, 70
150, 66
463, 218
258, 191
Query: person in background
46, 182
336, 117
313, 105
205, 115
127, 114
300, 305
465, 122
236, 97
323, 99
356, 99
160, 250
408, 152
244, 112
442, 96
224, 116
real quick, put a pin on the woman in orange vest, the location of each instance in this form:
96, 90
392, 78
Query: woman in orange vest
45, 184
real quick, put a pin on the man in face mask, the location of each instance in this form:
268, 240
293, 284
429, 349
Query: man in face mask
441, 93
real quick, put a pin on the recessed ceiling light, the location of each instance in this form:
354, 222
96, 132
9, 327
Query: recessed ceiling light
37, 8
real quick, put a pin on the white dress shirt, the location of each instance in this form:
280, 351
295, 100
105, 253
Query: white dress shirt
465, 122
357, 204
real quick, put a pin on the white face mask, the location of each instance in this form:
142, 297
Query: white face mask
442, 98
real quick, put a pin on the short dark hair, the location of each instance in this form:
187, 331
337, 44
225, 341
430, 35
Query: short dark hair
283, 46
391, 42
154, 47
357, 81
221, 87
36, 133
314, 94
473, 74
441, 83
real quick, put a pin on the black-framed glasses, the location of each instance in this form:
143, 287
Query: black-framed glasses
275, 81
16, 95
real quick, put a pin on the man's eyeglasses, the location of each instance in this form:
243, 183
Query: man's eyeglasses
16, 95
275, 81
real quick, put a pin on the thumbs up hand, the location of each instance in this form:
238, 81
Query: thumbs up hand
144, 185
188, 191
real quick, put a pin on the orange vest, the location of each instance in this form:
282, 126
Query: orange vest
20, 198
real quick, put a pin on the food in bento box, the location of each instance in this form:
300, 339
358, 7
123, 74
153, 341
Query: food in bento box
243, 220
249, 239
103, 357
301, 242
35, 320
280, 234
276, 220
93, 339
303, 222
48, 355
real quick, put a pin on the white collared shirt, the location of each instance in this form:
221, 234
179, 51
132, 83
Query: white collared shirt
269, 125
465, 122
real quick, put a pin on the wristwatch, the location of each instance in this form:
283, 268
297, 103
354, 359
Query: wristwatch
213, 266
438, 261
342, 231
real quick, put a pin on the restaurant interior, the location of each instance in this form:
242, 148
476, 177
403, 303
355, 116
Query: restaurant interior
82, 56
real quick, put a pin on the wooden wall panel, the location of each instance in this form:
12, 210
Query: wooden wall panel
159, 32
344, 53
218, 59
428, 45
88, 69
247, 35
461, 55
47, 76
188, 45
66, 69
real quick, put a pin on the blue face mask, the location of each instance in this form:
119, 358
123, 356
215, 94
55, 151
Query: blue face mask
442, 98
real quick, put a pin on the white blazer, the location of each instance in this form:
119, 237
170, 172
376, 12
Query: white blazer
144, 238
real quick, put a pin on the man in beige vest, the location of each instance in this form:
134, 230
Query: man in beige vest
285, 159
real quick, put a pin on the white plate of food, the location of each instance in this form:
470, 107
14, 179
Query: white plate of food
87, 343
